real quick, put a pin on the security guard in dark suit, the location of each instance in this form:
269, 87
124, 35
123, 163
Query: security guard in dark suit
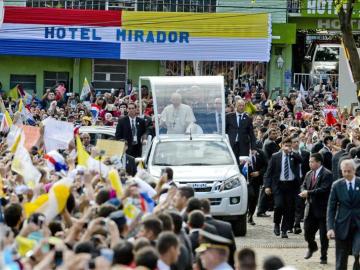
343, 216
316, 190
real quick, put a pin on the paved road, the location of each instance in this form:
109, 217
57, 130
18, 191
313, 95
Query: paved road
292, 250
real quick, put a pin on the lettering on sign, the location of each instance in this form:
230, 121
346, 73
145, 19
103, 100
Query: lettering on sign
119, 35
325, 8
334, 24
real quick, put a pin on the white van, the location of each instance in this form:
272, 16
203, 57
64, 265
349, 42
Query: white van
321, 59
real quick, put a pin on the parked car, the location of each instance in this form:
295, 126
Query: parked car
98, 132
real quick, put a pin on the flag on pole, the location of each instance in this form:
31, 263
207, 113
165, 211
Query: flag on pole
245, 169
22, 165
115, 183
16, 143
55, 161
271, 105
60, 91
85, 160
302, 90
11, 113
2, 193
26, 115
82, 155
147, 204
85, 90
6, 122
20, 106
95, 110
250, 108
330, 119
52, 203
28, 98
13, 93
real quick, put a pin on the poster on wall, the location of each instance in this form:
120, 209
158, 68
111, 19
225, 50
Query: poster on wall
136, 35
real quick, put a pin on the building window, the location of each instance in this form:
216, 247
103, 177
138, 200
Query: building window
109, 74
28, 82
177, 5
83, 4
245, 73
51, 79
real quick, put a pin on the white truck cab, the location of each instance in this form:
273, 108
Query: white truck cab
191, 140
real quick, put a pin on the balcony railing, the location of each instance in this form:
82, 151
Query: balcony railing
140, 5
84, 4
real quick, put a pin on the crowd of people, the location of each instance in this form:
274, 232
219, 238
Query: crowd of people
77, 217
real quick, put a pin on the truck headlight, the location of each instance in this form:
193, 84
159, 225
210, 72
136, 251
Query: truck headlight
230, 183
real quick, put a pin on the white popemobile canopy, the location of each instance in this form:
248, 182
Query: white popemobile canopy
190, 104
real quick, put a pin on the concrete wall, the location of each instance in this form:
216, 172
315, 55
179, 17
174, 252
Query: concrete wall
22, 65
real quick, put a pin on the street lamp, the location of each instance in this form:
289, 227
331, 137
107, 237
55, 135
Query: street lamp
280, 62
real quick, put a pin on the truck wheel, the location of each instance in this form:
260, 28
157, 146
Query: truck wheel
239, 225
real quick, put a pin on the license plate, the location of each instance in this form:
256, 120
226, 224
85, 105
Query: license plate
199, 185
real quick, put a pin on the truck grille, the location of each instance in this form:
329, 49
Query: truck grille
215, 201
207, 189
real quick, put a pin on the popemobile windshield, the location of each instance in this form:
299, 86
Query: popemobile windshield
187, 105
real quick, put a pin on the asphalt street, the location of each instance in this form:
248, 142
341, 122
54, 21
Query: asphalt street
292, 250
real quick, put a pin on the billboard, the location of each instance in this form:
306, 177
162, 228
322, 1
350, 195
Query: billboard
135, 35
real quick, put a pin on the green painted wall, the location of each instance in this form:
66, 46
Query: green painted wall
143, 68
277, 8
276, 76
22, 65
85, 71
285, 31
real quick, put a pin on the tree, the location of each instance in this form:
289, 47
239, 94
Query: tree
345, 9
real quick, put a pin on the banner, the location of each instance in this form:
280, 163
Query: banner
110, 147
32, 136
136, 35
57, 134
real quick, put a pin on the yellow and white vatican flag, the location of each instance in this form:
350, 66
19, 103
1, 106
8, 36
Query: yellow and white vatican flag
22, 164
87, 161
13, 134
115, 182
52, 203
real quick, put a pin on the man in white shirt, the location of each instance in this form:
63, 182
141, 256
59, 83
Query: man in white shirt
176, 117
283, 181
169, 249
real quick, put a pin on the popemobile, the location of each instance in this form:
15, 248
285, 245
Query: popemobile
190, 138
